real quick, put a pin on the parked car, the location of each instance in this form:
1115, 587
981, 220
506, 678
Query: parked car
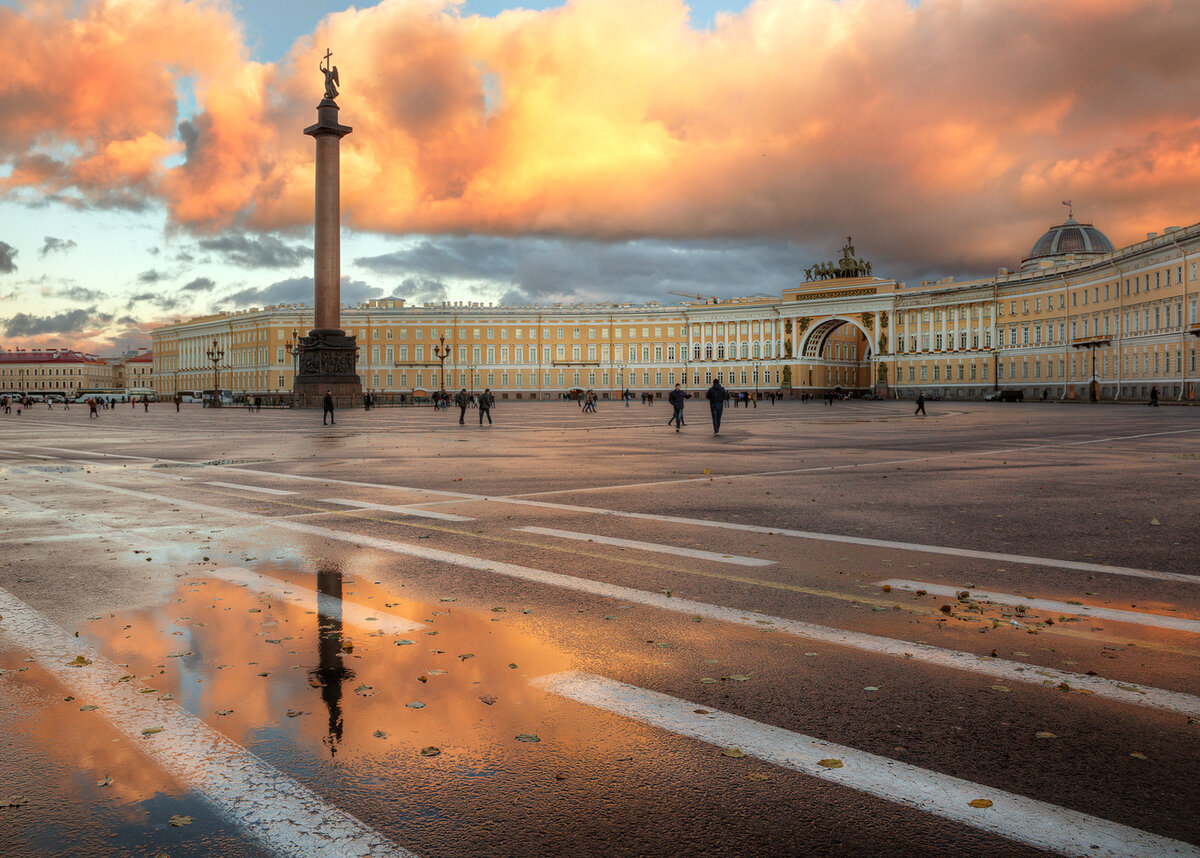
1005, 396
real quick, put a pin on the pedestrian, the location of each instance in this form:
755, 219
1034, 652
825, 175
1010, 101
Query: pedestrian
461, 400
258, 403
920, 404
486, 401
1153, 397
716, 403
92, 408
146, 402
327, 408
178, 399
676, 398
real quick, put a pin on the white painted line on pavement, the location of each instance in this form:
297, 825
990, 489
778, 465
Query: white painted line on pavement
246, 488
1024, 820
1181, 624
696, 553
1049, 562
402, 510
1138, 695
375, 619
1033, 444
279, 812
16, 504
62, 537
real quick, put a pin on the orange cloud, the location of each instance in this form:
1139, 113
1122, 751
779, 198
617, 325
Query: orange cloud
615, 118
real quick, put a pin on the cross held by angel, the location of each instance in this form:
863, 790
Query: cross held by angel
331, 76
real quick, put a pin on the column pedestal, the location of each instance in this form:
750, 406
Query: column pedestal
327, 362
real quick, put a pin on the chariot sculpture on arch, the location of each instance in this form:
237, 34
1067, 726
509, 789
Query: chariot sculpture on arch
331, 76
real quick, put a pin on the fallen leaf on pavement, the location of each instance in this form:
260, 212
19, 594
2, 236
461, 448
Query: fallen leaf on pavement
180, 821
980, 802
830, 764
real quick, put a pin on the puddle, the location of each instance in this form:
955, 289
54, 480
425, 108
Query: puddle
302, 681
54, 469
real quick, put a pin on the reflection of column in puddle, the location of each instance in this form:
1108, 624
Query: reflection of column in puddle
330, 671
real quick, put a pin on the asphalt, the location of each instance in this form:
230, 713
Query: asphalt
136, 533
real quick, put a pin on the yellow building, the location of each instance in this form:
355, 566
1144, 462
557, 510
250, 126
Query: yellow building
1076, 299
53, 371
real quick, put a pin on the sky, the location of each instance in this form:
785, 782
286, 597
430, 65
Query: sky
152, 165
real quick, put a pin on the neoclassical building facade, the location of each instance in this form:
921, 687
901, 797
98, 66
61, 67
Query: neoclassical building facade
1079, 319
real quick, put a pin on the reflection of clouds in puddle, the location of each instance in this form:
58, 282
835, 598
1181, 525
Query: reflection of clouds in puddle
56, 728
264, 671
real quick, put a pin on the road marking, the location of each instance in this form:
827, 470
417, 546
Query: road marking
402, 510
1015, 817
303, 597
62, 537
1138, 695
16, 504
729, 525
1033, 444
246, 488
714, 556
1182, 624
271, 807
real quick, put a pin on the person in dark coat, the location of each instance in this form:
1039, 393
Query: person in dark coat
327, 408
462, 400
1154, 396
716, 403
676, 398
920, 403
485, 405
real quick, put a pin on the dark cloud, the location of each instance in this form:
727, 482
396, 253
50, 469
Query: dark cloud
52, 244
156, 299
266, 252
298, 290
200, 284
81, 293
532, 270
129, 321
420, 290
70, 322
151, 275
8, 253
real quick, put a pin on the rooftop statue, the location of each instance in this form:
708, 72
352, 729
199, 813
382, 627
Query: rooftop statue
331, 76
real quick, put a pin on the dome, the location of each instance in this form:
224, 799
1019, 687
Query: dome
1068, 237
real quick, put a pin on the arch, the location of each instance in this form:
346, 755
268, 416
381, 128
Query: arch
814, 340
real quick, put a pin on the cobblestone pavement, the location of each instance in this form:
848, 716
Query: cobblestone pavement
829, 630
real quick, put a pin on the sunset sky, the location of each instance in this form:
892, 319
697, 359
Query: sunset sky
152, 164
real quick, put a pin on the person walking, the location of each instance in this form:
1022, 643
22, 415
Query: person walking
716, 403
146, 402
676, 398
1154, 396
327, 408
178, 399
920, 404
461, 400
485, 405
92, 408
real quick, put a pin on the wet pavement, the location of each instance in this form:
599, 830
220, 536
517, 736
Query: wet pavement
827, 631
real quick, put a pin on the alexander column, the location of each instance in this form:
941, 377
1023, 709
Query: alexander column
327, 356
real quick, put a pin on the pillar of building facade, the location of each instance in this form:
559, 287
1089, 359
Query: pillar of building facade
328, 356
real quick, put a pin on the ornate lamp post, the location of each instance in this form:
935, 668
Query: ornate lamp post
441, 351
295, 348
216, 354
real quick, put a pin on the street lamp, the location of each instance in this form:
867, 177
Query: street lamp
1092, 345
216, 354
441, 351
295, 348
